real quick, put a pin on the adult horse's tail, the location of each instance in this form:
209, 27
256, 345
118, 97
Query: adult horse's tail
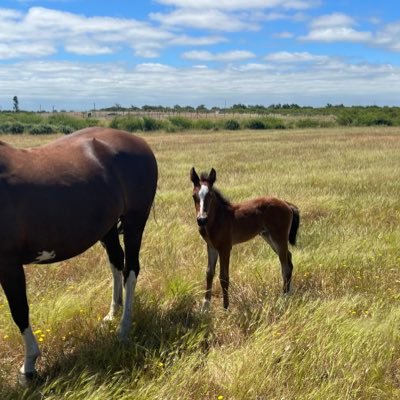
295, 224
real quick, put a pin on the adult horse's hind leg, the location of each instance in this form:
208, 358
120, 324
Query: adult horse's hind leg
133, 226
12, 279
116, 259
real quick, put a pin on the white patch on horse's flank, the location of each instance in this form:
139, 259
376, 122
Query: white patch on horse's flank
32, 351
45, 256
126, 319
202, 195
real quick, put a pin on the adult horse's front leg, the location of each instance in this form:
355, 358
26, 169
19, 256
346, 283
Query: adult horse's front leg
212, 262
133, 227
12, 279
224, 256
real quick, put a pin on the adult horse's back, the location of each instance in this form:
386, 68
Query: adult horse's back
59, 199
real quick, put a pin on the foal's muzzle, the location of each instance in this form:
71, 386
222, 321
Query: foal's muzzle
202, 221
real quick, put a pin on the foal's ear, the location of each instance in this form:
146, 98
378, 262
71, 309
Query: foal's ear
194, 177
212, 176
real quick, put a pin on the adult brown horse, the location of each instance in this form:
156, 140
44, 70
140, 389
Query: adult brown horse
59, 199
223, 224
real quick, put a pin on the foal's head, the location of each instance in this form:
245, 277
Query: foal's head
203, 193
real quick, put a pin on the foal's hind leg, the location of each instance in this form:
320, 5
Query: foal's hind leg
212, 262
133, 227
12, 279
280, 247
116, 258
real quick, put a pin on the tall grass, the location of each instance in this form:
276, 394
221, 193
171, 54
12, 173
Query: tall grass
336, 336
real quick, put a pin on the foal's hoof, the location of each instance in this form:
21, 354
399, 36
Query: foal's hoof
205, 307
28, 379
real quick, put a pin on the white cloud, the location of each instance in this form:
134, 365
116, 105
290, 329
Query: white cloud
337, 34
42, 30
332, 20
18, 49
229, 56
336, 27
78, 85
295, 57
389, 37
239, 4
210, 19
153, 67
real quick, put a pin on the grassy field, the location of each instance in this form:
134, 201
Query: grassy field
337, 336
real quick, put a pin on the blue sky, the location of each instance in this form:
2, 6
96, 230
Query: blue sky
71, 54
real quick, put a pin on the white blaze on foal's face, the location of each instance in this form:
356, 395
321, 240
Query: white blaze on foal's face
202, 195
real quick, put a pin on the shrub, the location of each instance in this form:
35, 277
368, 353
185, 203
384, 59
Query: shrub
308, 123
17, 128
206, 124
255, 124
181, 122
74, 122
130, 124
41, 130
151, 124
231, 125
65, 129
345, 119
273, 123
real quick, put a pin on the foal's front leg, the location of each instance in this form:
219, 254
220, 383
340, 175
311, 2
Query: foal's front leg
212, 262
224, 256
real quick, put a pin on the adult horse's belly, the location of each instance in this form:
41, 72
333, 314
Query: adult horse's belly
61, 223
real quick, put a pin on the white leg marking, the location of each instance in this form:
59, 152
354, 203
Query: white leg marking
32, 351
126, 320
116, 299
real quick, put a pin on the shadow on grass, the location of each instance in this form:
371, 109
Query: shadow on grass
160, 334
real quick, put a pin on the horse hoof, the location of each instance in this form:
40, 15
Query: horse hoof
28, 378
108, 318
205, 307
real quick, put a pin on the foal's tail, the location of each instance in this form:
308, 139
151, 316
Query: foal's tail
295, 224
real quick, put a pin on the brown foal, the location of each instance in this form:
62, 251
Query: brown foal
223, 224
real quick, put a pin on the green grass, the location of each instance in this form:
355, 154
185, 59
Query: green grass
337, 336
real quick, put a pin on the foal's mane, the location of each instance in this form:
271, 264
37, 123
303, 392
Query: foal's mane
220, 197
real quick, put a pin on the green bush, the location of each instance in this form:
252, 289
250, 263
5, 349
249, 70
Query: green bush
345, 119
42, 130
231, 125
75, 122
26, 118
254, 124
130, 124
273, 123
65, 129
12, 128
307, 123
181, 122
151, 124
206, 124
